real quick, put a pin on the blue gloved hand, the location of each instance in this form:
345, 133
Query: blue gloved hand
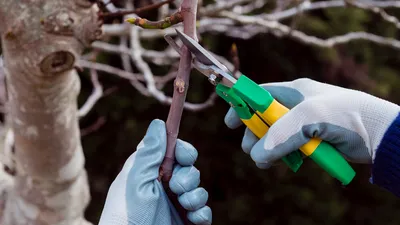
136, 197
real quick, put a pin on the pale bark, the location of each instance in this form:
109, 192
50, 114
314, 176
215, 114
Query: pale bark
42, 41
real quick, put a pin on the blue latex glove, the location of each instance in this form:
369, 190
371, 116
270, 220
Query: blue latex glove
136, 197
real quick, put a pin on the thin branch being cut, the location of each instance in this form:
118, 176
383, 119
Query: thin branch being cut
181, 84
97, 93
162, 24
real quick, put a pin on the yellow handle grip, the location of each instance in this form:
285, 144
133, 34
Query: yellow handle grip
256, 125
275, 111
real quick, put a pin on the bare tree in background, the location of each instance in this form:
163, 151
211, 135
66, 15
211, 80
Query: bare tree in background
44, 180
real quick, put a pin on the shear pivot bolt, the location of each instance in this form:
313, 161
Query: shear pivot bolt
213, 79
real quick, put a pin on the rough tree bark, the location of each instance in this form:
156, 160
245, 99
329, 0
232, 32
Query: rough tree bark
42, 40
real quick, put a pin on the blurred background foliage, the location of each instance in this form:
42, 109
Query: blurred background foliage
239, 192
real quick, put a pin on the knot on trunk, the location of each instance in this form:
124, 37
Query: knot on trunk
59, 22
90, 31
57, 62
85, 28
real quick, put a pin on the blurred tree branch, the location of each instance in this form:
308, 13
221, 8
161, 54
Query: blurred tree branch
233, 18
364, 5
279, 29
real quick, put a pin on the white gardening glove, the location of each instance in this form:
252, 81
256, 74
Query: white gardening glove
352, 121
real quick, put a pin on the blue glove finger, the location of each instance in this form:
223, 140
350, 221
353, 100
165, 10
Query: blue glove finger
185, 153
184, 179
263, 165
232, 120
194, 199
248, 141
289, 97
149, 155
202, 216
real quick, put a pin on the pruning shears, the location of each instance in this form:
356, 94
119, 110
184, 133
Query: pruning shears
258, 110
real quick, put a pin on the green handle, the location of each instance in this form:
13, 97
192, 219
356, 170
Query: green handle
329, 159
294, 160
325, 155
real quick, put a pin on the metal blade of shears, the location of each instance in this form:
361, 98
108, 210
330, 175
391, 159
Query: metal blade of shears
208, 65
201, 54
204, 61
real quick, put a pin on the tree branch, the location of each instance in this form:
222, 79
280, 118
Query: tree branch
111, 70
144, 90
95, 126
181, 84
137, 11
126, 64
279, 29
162, 24
388, 18
143, 67
213, 9
97, 93
309, 6
165, 57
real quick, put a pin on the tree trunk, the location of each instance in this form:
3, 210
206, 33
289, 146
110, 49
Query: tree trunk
42, 40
